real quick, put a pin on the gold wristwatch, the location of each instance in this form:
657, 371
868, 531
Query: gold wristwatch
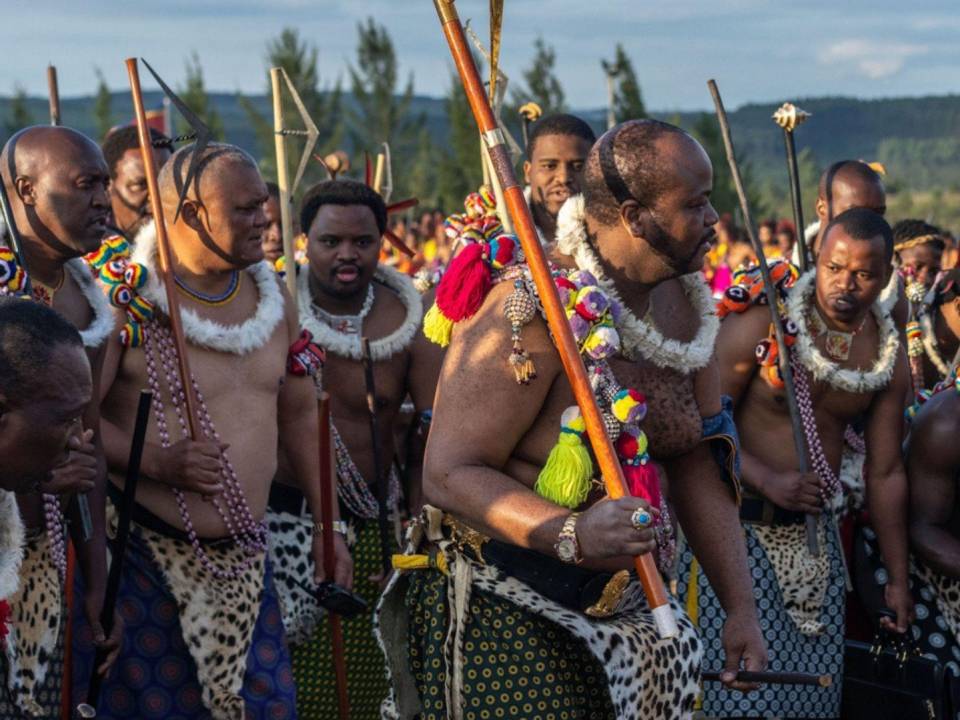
568, 547
339, 527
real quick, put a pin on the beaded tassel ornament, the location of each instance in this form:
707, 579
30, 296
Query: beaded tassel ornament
519, 309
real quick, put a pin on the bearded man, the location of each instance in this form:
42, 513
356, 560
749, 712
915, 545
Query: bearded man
56, 180
847, 364
197, 593
518, 554
344, 295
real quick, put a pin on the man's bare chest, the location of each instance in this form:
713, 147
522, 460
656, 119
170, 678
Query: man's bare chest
345, 380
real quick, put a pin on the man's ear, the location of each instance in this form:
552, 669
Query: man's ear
526, 171
821, 208
190, 214
26, 190
634, 218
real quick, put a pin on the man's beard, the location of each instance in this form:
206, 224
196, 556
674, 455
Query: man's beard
666, 247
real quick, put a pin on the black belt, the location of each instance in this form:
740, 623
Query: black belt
760, 511
287, 499
146, 519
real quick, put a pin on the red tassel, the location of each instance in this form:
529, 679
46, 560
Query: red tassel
465, 284
644, 482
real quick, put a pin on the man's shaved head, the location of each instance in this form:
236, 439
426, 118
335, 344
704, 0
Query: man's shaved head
214, 159
630, 162
223, 210
847, 180
57, 181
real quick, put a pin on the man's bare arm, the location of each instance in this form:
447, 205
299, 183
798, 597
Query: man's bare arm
480, 417
423, 373
886, 486
933, 459
736, 349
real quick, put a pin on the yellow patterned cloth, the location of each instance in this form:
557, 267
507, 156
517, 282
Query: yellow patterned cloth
366, 675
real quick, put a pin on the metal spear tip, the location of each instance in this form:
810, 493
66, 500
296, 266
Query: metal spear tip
531, 111
789, 116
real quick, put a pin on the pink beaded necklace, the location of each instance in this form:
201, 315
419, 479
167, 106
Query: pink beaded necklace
232, 506
818, 460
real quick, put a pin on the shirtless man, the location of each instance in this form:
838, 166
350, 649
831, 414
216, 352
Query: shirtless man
847, 364
556, 154
933, 466
197, 554
45, 386
129, 201
641, 229
847, 184
56, 180
343, 295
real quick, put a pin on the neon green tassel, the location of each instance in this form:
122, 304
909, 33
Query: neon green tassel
437, 327
565, 478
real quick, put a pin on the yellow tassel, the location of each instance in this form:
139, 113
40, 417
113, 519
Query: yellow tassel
565, 479
437, 327
433, 561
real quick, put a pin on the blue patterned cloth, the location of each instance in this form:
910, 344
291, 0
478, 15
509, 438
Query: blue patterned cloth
789, 650
155, 678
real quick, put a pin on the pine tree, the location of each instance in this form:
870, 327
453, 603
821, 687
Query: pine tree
102, 113
542, 85
627, 99
459, 171
299, 59
20, 115
194, 94
379, 114
724, 196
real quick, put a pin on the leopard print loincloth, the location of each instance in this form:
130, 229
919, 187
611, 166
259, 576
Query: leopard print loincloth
36, 609
217, 617
947, 592
803, 578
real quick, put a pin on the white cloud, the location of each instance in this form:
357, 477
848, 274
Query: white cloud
874, 59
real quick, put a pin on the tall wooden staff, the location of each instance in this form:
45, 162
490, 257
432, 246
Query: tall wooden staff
493, 137
796, 422
54, 92
163, 245
789, 117
283, 172
328, 495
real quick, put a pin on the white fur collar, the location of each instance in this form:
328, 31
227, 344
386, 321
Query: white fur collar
11, 544
103, 321
241, 339
930, 342
640, 337
348, 346
824, 370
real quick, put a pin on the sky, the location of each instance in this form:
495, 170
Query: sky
758, 50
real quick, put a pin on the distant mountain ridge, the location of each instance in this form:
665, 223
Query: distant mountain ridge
917, 139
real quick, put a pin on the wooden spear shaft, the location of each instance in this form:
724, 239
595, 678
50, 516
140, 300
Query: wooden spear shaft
556, 318
283, 182
328, 498
795, 199
54, 92
796, 422
163, 247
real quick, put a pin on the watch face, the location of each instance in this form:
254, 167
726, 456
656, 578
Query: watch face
567, 550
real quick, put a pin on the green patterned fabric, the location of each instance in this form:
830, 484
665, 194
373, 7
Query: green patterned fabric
517, 664
366, 675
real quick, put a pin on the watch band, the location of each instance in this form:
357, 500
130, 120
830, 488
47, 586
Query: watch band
567, 541
339, 527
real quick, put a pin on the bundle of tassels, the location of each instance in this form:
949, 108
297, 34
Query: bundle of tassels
122, 278
12, 276
748, 290
467, 281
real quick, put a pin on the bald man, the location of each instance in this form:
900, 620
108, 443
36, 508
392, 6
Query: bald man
197, 593
847, 184
533, 584
56, 180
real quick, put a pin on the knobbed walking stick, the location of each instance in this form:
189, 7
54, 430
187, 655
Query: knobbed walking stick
789, 117
786, 371
88, 709
495, 142
54, 92
328, 491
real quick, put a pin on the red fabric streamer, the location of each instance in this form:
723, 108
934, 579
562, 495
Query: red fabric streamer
465, 284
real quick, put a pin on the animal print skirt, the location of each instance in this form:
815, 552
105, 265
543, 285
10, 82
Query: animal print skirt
468, 642
194, 646
790, 649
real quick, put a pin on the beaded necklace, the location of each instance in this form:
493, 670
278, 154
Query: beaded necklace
244, 530
353, 489
346, 324
211, 300
818, 459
